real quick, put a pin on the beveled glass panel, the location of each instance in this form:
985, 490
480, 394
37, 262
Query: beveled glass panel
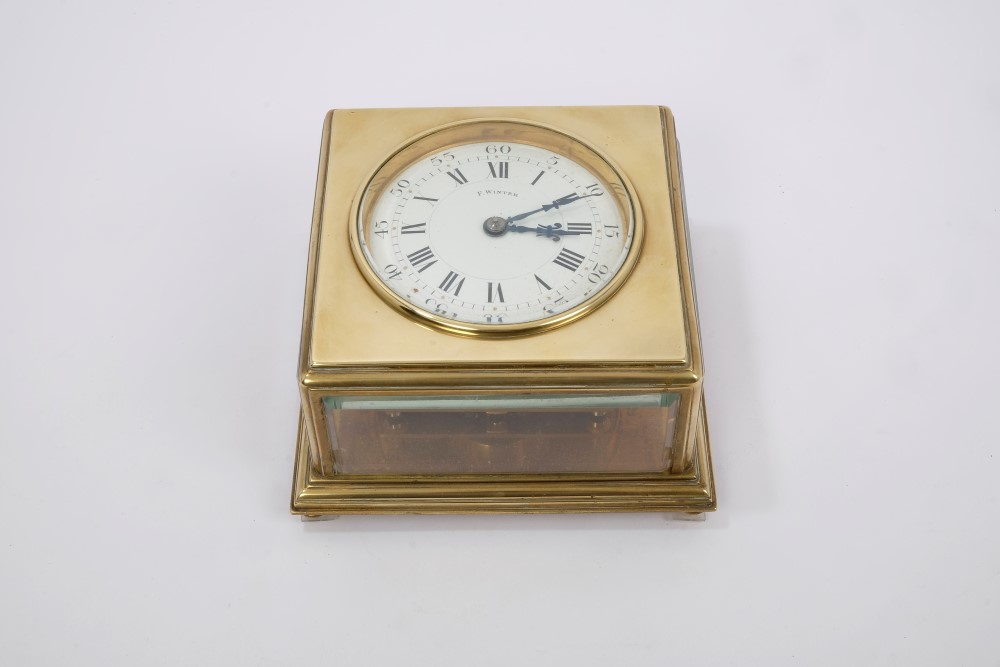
491, 434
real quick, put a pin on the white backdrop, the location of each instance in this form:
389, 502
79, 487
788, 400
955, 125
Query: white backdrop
157, 164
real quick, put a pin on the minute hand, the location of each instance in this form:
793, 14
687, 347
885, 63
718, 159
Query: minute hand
562, 201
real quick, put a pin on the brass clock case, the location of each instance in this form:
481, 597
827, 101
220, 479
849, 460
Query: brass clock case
639, 341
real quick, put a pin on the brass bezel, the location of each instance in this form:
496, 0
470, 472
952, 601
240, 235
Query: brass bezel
510, 130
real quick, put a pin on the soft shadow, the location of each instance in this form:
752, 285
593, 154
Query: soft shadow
733, 391
511, 522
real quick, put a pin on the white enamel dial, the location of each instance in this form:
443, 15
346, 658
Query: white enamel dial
494, 233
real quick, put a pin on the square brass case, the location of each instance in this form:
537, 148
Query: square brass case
644, 340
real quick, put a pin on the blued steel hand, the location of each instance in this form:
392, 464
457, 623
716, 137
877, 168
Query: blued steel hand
551, 231
562, 201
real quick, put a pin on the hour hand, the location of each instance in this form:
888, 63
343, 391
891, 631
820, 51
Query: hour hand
551, 231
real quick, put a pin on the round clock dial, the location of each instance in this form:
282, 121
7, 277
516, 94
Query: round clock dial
496, 228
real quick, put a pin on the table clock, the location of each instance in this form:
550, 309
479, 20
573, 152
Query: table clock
500, 316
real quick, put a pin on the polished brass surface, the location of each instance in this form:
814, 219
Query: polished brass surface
643, 339
350, 324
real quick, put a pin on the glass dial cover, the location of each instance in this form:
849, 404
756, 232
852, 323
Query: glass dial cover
496, 227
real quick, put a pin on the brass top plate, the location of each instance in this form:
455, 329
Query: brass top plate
646, 322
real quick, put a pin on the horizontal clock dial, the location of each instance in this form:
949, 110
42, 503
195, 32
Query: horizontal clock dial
492, 233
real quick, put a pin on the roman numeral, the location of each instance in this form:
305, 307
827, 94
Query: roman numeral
418, 228
492, 295
426, 198
569, 259
540, 174
541, 283
501, 170
458, 176
422, 259
449, 282
580, 227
